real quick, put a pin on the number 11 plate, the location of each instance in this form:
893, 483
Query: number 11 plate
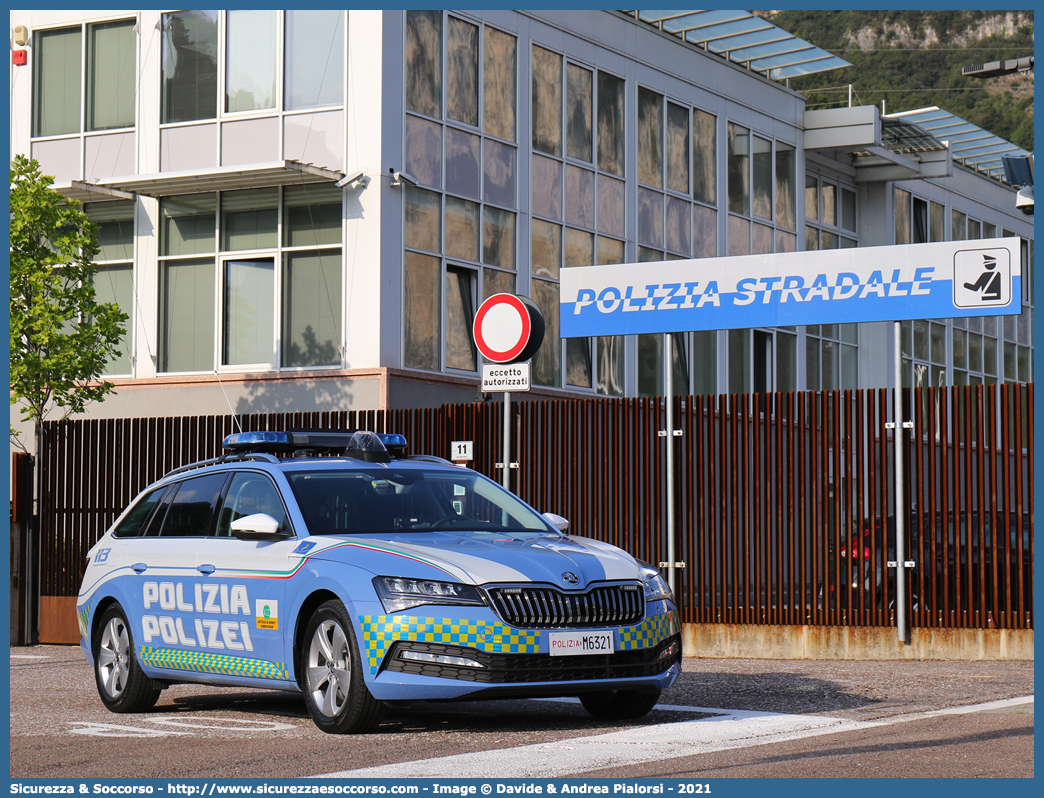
574, 643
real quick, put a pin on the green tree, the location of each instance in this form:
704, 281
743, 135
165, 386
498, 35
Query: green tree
61, 336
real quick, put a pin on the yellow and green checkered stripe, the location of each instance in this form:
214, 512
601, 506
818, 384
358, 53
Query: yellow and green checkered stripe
81, 619
178, 659
650, 632
380, 631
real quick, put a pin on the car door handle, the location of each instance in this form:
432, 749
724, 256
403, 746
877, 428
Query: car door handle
206, 569
139, 567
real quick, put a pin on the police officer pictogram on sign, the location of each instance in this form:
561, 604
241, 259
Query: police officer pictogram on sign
981, 278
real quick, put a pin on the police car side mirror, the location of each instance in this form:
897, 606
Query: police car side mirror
557, 521
259, 526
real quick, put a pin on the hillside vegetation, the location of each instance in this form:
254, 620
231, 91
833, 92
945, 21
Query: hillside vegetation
913, 59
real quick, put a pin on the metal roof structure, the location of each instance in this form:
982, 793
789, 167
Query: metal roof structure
744, 39
970, 145
165, 184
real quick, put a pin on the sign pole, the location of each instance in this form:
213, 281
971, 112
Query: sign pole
507, 440
900, 510
668, 369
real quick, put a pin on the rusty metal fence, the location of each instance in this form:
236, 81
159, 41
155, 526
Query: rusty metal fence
783, 501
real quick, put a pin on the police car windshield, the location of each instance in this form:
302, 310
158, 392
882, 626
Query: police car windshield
355, 501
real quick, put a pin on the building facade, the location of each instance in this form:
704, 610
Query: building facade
302, 210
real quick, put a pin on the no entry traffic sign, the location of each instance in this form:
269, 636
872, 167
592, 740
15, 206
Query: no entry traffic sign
508, 328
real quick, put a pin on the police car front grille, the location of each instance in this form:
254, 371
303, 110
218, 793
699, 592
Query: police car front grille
548, 607
535, 668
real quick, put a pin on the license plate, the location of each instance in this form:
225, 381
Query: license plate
574, 643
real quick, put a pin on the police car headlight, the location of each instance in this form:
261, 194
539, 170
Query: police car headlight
656, 587
398, 594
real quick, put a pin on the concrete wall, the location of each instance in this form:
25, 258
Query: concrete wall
719, 641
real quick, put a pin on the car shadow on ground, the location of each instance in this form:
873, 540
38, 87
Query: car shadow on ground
790, 693
466, 717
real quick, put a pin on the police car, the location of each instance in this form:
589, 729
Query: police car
335, 565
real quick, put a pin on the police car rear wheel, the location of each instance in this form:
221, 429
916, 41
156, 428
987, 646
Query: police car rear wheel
122, 684
335, 693
620, 704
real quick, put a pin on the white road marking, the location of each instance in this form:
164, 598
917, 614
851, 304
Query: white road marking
224, 724
116, 730
727, 729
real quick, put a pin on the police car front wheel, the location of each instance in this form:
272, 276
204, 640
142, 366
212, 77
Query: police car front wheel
122, 685
334, 690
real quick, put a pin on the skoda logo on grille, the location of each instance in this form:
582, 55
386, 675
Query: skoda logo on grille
570, 578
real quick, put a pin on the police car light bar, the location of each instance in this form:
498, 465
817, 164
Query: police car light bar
352, 442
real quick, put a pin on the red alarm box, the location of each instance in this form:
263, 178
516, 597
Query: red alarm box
18, 57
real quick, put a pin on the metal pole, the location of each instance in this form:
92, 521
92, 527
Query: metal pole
507, 440
668, 370
900, 512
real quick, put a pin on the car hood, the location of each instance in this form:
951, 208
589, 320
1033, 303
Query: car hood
480, 558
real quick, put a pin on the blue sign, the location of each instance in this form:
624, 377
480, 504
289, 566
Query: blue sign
914, 281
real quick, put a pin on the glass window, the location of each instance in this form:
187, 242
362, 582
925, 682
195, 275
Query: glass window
314, 67
936, 222
739, 361
761, 167
812, 198
135, 519
829, 204
650, 218
739, 169
902, 217
422, 312
704, 232
650, 138
579, 99
499, 97
423, 140
677, 148
460, 313
111, 75
187, 224
250, 65
423, 219
462, 162
578, 362
579, 196
610, 206
920, 221
611, 124
190, 77
704, 362
186, 315
311, 215
424, 62
499, 174
546, 249
249, 218
495, 281
462, 72
56, 82
547, 363
114, 284
547, 187
311, 334
115, 223
498, 238
677, 225
250, 493
958, 225
704, 157
786, 166
610, 365
462, 229
193, 510
848, 209
547, 101
578, 248
249, 301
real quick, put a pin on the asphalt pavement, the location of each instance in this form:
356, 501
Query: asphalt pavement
722, 718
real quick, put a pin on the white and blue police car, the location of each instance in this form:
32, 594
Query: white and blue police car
334, 564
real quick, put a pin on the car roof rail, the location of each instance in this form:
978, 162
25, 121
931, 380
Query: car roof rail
226, 458
430, 458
